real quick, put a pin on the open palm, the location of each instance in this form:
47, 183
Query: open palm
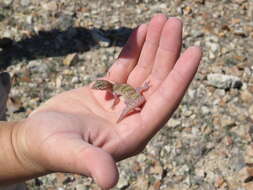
76, 131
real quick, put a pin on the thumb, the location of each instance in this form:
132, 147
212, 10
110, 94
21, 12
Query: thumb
77, 156
101, 167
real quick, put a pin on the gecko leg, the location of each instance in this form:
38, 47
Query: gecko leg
137, 104
143, 88
115, 101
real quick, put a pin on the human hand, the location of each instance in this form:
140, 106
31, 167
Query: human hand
76, 131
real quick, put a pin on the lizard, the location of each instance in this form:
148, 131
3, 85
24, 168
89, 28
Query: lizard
133, 97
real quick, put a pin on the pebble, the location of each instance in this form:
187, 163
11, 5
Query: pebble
50, 6
251, 111
248, 157
141, 183
8, 2
81, 187
174, 122
228, 140
219, 181
227, 122
100, 38
75, 80
71, 59
25, 2
224, 81
123, 181
247, 97
58, 81
245, 174
213, 46
205, 110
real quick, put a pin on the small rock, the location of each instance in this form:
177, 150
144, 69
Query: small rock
250, 10
213, 46
248, 157
219, 181
227, 122
141, 183
7, 2
50, 6
246, 96
187, 10
68, 179
200, 1
251, 111
136, 167
250, 132
122, 183
156, 185
246, 174
58, 81
163, 6
174, 122
248, 186
156, 169
240, 32
81, 187
228, 140
14, 105
240, 1
100, 38
224, 81
25, 2
64, 22
70, 59
75, 80
205, 110
123, 180
211, 55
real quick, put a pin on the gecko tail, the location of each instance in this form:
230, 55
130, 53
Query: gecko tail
122, 116
124, 113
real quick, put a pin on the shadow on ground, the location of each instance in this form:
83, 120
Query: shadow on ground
59, 43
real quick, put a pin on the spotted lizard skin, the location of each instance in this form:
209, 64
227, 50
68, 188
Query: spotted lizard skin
133, 97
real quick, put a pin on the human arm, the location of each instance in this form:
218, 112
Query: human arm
76, 131
12, 168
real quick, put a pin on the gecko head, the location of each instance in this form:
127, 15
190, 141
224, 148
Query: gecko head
102, 85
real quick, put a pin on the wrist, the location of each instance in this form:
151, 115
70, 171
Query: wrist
16, 164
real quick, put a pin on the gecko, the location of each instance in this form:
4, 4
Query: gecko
133, 97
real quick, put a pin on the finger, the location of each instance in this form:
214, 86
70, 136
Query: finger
163, 102
78, 157
129, 55
168, 51
147, 57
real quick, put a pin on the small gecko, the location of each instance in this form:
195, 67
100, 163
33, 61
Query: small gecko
133, 97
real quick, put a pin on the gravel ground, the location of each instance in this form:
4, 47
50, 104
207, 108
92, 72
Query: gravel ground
53, 46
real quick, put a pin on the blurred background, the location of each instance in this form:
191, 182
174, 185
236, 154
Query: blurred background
52, 46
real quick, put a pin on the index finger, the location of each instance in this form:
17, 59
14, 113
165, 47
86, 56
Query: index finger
129, 55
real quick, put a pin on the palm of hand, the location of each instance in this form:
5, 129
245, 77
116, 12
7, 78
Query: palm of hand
87, 114
76, 131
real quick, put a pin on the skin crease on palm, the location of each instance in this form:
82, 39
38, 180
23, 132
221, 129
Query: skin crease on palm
76, 131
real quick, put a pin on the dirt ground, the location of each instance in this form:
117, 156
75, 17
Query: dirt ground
206, 145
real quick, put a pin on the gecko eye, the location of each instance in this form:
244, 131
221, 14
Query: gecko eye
102, 85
